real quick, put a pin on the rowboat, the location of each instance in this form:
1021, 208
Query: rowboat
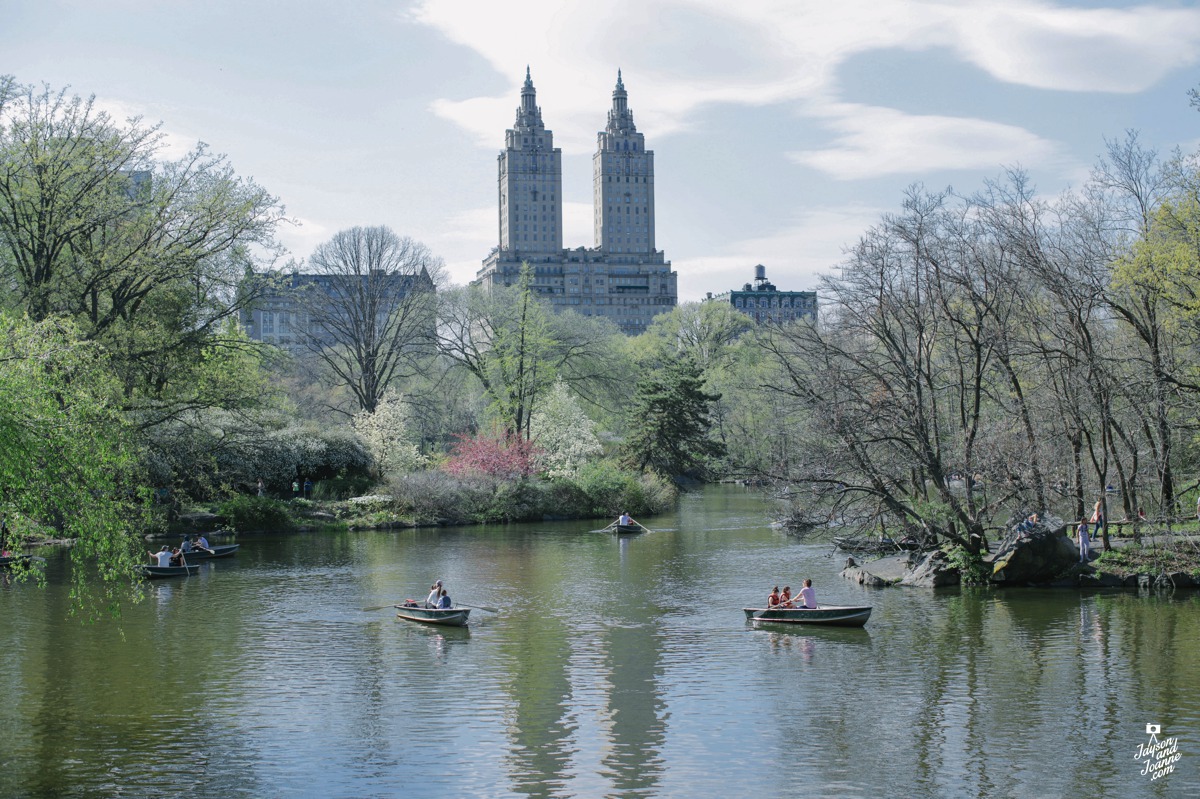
830, 615
13, 560
448, 617
223, 551
628, 529
160, 572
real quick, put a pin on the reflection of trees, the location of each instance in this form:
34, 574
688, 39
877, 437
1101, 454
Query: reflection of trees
537, 646
636, 730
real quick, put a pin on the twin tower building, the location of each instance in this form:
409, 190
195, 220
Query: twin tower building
623, 276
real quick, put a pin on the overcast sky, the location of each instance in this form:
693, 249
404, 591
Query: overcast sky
782, 129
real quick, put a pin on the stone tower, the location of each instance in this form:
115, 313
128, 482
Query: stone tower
623, 183
530, 182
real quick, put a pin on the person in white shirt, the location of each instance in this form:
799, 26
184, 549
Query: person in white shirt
807, 597
163, 556
435, 593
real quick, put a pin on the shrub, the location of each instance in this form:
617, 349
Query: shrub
242, 512
971, 567
610, 490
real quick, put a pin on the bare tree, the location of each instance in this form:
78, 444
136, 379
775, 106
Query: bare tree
370, 310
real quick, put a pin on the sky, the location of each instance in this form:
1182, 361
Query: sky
782, 129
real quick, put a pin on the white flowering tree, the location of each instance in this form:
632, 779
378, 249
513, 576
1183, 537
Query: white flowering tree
564, 433
385, 435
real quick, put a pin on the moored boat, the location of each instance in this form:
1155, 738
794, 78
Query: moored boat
448, 617
830, 615
14, 560
160, 572
222, 551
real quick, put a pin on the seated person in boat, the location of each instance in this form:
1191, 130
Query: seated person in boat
773, 599
625, 520
435, 593
202, 543
807, 597
162, 557
177, 557
444, 602
785, 597
186, 546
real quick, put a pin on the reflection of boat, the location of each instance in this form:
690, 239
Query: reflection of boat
223, 551
831, 615
449, 617
159, 572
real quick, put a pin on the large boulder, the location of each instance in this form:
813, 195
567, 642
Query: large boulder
879, 573
1035, 555
931, 570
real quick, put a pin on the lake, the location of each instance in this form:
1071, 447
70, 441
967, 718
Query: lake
615, 668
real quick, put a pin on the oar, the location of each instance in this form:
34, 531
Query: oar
381, 607
479, 607
461, 604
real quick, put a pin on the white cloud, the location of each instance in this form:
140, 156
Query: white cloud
681, 55
302, 238
173, 144
1074, 49
794, 256
880, 141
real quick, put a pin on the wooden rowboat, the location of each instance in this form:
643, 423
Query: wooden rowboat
448, 617
829, 615
160, 572
223, 551
628, 529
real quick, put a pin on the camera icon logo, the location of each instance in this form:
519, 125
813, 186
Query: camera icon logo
1153, 729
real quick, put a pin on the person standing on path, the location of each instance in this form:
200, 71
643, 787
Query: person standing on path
1085, 552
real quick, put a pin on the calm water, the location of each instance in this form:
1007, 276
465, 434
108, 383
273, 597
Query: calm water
618, 668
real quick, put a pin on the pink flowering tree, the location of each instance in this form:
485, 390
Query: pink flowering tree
493, 454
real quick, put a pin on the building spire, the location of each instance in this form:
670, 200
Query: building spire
620, 118
529, 115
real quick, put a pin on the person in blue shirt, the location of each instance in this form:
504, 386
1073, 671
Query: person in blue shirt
444, 602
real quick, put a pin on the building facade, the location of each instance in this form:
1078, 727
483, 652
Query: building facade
622, 277
763, 302
296, 311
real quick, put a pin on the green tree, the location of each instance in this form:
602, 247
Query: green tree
145, 256
669, 422
67, 465
516, 347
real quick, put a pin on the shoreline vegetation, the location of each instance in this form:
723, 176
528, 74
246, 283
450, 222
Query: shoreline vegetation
431, 499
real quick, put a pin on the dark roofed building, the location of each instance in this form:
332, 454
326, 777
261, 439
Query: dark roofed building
763, 302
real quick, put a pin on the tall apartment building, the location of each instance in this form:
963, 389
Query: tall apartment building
623, 276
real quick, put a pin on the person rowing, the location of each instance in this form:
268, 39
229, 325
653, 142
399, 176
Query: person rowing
807, 598
625, 520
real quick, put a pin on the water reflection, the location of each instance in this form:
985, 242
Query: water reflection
617, 667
